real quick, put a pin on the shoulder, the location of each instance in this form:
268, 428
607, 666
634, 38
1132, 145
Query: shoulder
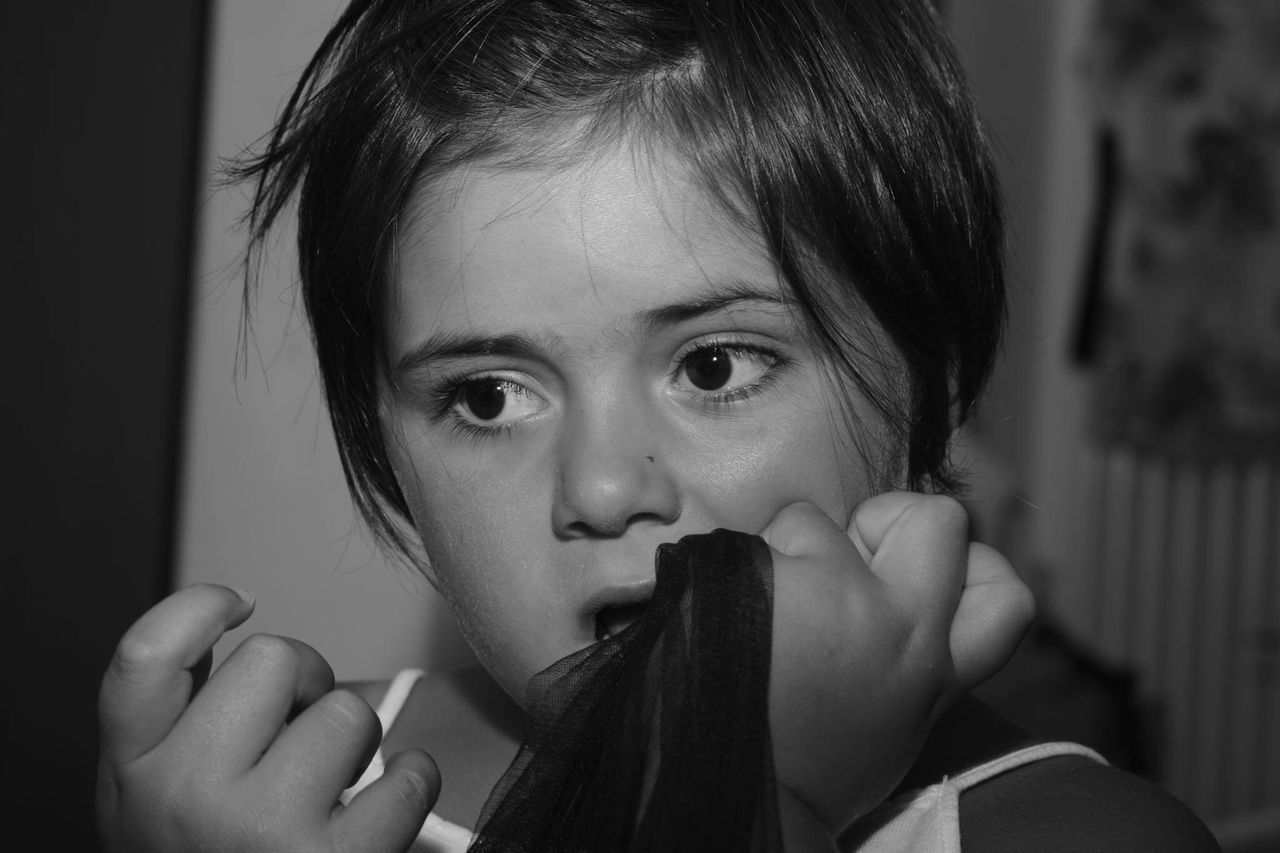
1074, 803
1066, 803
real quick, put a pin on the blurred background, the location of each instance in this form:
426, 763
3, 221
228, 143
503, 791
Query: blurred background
1128, 458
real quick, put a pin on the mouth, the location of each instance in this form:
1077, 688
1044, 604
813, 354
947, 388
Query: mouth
612, 619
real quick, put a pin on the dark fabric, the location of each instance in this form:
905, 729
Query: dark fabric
656, 739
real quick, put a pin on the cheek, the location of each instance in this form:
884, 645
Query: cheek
451, 509
476, 527
469, 531
808, 458
480, 577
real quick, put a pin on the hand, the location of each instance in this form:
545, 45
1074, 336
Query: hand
876, 630
252, 760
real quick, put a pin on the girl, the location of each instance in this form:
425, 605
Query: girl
584, 277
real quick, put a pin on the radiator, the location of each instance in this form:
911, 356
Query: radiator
1177, 576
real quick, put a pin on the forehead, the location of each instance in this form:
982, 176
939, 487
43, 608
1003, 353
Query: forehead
487, 247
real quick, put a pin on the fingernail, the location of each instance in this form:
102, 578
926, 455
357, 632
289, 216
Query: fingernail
245, 595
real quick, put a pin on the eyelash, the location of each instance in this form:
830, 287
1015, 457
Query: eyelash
463, 428
774, 363
444, 399
446, 396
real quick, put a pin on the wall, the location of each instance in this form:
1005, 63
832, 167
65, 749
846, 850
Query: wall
1167, 570
263, 504
1006, 47
1022, 60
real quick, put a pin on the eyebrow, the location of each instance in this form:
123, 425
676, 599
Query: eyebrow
720, 299
450, 345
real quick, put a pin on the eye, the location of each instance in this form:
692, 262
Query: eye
725, 368
491, 401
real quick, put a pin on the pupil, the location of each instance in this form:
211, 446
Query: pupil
485, 399
711, 369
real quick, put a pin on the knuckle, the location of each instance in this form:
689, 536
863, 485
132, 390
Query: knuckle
410, 791
795, 523
803, 513
273, 651
946, 511
1023, 604
346, 712
139, 650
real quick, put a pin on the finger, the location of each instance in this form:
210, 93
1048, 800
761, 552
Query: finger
325, 748
995, 610
919, 546
200, 672
878, 515
388, 814
150, 679
265, 681
803, 530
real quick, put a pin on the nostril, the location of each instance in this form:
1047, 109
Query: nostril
599, 528
612, 527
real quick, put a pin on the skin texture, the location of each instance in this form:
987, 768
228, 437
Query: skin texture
605, 449
550, 426
198, 762
585, 363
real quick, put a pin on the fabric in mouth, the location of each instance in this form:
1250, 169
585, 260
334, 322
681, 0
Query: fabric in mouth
656, 737
610, 621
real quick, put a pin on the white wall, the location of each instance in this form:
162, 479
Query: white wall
264, 505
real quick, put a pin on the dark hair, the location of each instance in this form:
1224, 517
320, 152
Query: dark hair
842, 130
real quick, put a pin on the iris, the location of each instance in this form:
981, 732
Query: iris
485, 400
710, 369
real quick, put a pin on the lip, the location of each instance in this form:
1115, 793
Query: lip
618, 595
616, 605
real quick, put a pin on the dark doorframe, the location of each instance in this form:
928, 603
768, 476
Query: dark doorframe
100, 112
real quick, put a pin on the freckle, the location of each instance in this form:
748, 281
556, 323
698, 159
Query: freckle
650, 458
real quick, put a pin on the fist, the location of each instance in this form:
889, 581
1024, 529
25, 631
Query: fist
876, 628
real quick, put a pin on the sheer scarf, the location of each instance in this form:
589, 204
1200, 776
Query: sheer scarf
657, 738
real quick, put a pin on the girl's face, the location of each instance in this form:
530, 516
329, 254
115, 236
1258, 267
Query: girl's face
587, 362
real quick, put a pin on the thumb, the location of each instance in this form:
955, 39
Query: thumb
803, 530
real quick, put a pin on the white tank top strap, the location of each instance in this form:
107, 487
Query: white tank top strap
928, 820
436, 835
388, 709
397, 694
1018, 758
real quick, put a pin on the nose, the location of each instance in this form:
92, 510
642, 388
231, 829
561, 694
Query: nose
612, 474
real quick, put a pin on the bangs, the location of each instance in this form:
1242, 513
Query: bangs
841, 132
